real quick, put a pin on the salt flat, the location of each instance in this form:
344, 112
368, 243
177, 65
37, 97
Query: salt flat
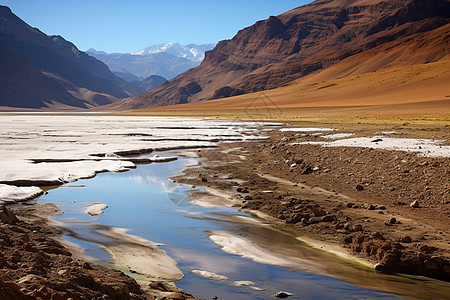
38, 150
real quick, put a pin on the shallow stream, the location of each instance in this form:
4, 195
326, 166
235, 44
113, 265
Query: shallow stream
149, 205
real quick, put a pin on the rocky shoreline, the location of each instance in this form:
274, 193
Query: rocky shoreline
390, 209
34, 264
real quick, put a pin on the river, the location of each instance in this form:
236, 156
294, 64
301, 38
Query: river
221, 251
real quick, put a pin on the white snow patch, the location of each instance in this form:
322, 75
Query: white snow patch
38, 149
210, 275
424, 147
239, 246
337, 136
95, 209
11, 193
242, 283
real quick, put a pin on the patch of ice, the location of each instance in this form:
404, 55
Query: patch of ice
95, 209
11, 193
210, 275
242, 283
239, 246
337, 136
38, 149
424, 147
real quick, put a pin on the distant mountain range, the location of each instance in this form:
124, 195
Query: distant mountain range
166, 60
307, 40
40, 71
192, 51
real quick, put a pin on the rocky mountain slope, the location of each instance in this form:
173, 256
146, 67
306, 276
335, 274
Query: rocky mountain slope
304, 41
166, 60
48, 71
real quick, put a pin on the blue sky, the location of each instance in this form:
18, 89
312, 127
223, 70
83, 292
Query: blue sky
129, 25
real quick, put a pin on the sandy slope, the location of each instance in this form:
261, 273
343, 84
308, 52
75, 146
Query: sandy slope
394, 81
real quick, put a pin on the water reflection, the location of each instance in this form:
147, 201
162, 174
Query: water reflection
146, 202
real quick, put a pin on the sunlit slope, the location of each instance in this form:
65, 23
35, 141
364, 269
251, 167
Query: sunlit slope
403, 71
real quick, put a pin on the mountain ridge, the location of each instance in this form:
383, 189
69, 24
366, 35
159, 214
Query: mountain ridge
167, 60
304, 40
66, 67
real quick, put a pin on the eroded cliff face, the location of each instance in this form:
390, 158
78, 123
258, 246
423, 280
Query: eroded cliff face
282, 48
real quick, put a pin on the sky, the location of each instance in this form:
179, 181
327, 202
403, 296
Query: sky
130, 25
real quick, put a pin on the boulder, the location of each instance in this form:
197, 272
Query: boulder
7, 216
359, 187
415, 204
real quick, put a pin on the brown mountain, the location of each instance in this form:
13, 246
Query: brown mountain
302, 41
47, 71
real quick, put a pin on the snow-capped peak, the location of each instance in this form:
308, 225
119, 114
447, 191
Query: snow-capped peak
192, 51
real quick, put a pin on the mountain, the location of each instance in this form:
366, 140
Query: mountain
47, 71
166, 60
306, 40
151, 82
142, 66
192, 51
22, 84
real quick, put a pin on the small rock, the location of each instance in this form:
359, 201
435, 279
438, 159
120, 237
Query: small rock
350, 205
214, 297
378, 235
328, 218
390, 258
431, 264
381, 207
379, 267
307, 170
248, 198
204, 179
316, 169
87, 266
439, 260
7, 216
359, 187
425, 248
392, 220
371, 207
415, 204
30, 278
357, 227
314, 220
283, 295
376, 140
